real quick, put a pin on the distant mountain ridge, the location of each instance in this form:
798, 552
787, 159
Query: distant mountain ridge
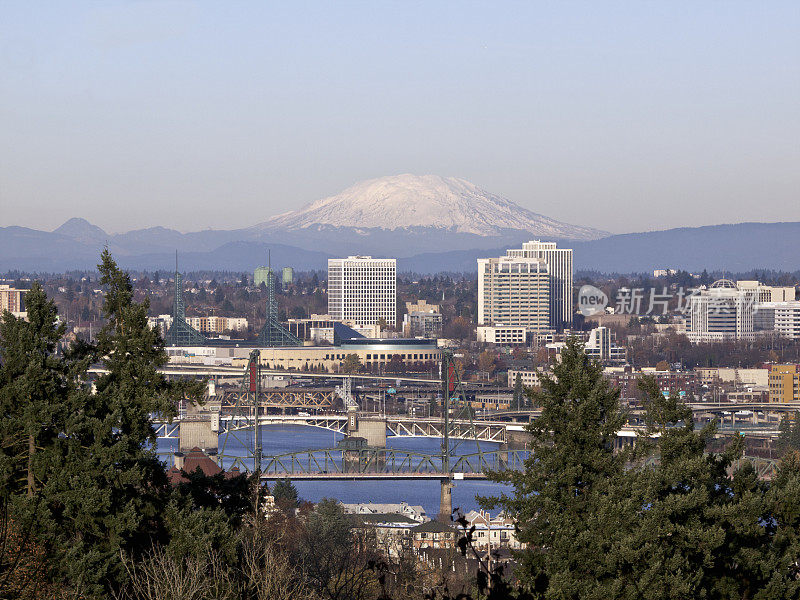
738, 247
429, 223
81, 230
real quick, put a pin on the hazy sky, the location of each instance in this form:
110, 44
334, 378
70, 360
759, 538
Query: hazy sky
622, 116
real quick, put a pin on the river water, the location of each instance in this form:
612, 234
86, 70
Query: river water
281, 439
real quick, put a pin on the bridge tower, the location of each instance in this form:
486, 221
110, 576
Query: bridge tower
274, 334
453, 398
180, 332
247, 408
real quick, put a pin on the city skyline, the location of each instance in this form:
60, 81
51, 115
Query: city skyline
616, 116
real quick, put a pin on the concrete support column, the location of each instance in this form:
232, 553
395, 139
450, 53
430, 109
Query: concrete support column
446, 501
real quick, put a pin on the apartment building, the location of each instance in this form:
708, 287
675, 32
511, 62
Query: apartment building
202, 324
501, 335
492, 532
529, 378
767, 293
12, 300
784, 383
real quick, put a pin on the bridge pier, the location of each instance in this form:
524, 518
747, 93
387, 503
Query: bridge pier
371, 429
200, 428
517, 440
446, 501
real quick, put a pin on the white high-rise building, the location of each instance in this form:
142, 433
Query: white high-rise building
559, 267
721, 313
514, 292
362, 290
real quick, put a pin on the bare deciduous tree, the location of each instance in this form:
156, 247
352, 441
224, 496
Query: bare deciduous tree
161, 576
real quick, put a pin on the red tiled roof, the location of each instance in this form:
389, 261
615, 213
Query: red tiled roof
197, 459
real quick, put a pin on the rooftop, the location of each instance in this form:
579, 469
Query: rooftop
434, 527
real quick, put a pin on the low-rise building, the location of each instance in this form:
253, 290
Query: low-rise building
189, 462
433, 534
390, 532
501, 334
684, 384
412, 511
422, 320
529, 378
214, 324
601, 346
758, 377
373, 354
492, 532
749, 396
768, 293
664, 272
492, 401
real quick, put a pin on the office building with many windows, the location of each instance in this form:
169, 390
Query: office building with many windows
514, 292
363, 290
781, 318
559, 269
721, 313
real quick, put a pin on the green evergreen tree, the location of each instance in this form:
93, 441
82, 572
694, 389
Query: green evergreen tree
698, 530
789, 438
111, 488
35, 388
569, 480
286, 496
666, 520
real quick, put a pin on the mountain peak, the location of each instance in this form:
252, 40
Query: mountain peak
81, 230
429, 201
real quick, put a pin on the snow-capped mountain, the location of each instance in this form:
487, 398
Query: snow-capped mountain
427, 201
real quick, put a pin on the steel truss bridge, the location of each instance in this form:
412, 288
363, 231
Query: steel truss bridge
482, 431
309, 399
399, 426
380, 463
371, 464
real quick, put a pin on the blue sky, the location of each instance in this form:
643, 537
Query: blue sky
624, 116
